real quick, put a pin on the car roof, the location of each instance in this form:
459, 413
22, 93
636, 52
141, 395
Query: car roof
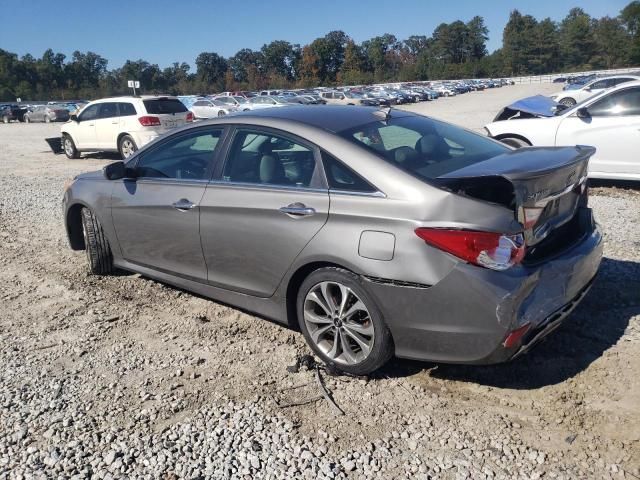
623, 75
333, 118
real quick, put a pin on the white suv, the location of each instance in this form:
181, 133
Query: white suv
122, 124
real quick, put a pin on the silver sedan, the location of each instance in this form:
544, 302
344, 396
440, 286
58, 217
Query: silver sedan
374, 232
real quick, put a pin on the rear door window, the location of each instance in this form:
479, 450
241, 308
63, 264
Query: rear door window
162, 106
108, 110
342, 178
265, 158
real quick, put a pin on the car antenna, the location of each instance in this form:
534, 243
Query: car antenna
384, 113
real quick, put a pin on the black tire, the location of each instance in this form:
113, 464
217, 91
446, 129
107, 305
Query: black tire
99, 254
69, 147
124, 141
382, 349
567, 102
515, 142
221, 113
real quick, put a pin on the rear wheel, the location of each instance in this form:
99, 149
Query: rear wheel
69, 147
341, 323
514, 142
127, 146
221, 113
96, 245
26, 119
5, 119
567, 102
47, 119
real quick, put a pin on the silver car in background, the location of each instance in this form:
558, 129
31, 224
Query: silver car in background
47, 113
375, 232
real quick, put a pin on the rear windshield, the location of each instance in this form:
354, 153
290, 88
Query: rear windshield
424, 147
164, 105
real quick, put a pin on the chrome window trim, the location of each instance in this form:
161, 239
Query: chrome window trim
181, 181
267, 186
376, 194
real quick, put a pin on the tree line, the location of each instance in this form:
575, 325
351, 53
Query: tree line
454, 50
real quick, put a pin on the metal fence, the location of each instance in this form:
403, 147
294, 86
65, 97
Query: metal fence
551, 77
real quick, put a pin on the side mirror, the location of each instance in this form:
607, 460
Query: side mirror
587, 89
73, 117
583, 113
114, 171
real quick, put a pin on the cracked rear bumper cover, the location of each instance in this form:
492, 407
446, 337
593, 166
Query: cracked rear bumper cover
466, 317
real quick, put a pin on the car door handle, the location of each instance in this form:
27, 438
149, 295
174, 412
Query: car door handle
183, 205
298, 210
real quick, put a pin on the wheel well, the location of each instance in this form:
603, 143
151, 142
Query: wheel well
294, 285
512, 135
120, 138
74, 227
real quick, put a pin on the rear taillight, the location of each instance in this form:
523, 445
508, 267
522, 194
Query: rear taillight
149, 121
515, 337
497, 251
189, 117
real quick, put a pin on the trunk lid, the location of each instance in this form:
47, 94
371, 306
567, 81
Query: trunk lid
543, 185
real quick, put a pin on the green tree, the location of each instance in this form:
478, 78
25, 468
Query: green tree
612, 44
210, 70
577, 44
630, 17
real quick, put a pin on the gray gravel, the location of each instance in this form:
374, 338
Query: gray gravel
123, 377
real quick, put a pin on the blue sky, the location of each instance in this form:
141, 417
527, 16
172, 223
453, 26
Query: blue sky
164, 31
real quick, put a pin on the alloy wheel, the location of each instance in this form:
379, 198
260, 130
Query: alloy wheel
338, 323
68, 147
127, 148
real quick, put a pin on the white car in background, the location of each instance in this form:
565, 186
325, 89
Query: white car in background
569, 98
240, 103
609, 121
122, 124
268, 101
205, 108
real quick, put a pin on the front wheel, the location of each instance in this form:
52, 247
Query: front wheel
221, 113
127, 146
5, 119
69, 148
341, 323
567, 102
514, 142
47, 119
26, 119
97, 246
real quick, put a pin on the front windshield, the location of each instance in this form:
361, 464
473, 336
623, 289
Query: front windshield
423, 147
240, 99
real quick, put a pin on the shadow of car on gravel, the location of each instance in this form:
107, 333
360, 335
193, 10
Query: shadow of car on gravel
594, 326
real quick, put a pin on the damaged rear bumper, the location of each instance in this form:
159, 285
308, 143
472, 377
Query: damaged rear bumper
466, 317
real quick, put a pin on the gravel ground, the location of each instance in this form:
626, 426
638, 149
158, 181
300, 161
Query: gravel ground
123, 377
